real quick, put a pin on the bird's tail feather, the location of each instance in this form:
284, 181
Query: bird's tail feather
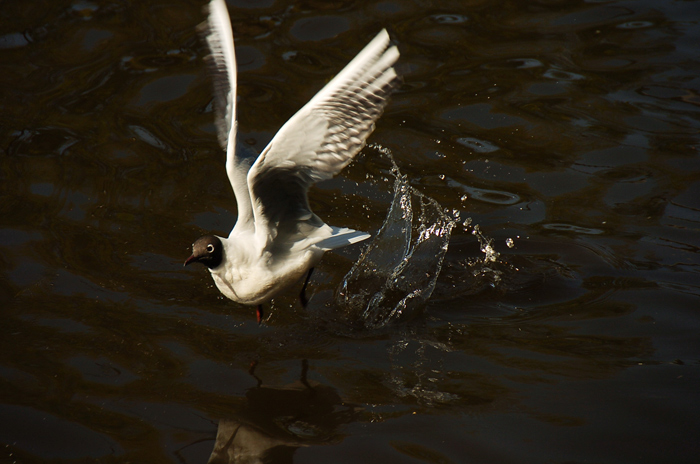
341, 237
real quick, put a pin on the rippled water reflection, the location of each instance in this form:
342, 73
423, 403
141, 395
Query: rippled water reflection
567, 131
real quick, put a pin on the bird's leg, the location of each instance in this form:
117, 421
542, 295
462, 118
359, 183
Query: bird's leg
304, 371
251, 371
259, 313
302, 296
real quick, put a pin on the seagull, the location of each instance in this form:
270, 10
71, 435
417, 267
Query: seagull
277, 239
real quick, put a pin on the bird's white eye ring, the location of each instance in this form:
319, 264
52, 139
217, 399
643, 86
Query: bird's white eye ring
210, 248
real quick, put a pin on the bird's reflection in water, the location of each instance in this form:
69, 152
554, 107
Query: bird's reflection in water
276, 421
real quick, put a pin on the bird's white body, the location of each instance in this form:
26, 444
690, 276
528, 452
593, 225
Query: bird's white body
250, 277
277, 238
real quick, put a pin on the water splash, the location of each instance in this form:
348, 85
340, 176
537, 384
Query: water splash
396, 274
486, 267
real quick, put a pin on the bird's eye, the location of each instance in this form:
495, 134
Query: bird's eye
210, 248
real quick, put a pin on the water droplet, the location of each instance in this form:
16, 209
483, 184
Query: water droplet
510, 243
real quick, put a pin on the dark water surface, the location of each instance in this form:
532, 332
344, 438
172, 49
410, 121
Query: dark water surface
569, 127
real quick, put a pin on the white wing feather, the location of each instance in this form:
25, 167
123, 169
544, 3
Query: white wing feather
320, 140
222, 62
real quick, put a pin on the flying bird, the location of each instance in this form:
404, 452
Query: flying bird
277, 239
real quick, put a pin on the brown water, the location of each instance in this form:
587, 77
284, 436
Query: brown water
570, 127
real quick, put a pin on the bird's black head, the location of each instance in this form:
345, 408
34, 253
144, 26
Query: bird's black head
207, 250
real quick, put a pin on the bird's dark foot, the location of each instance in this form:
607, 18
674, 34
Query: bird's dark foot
304, 372
259, 313
302, 296
251, 371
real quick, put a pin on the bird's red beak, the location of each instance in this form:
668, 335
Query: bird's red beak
191, 259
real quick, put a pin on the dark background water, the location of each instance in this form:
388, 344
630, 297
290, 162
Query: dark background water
570, 127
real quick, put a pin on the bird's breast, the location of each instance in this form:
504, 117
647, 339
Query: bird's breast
264, 280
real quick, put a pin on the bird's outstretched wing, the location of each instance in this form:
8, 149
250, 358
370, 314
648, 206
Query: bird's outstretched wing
217, 32
320, 140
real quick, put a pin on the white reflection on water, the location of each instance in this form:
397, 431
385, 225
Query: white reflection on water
497, 197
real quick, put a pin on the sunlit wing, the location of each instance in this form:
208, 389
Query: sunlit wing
222, 65
321, 139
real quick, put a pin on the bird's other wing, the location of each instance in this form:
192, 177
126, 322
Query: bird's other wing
320, 140
221, 61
